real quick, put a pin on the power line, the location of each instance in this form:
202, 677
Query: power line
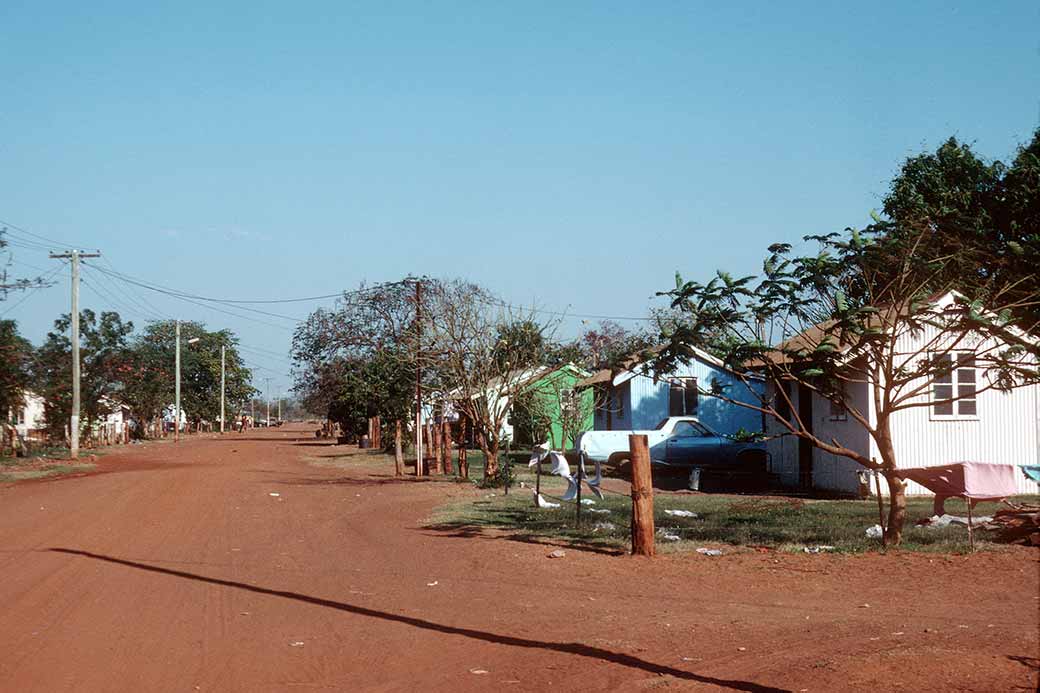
188, 296
182, 297
36, 235
45, 278
243, 303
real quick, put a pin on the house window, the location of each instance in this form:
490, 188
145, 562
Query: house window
838, 412
21, 417
682, 397
955, 379
783, 401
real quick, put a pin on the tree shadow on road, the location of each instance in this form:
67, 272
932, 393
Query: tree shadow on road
573, 648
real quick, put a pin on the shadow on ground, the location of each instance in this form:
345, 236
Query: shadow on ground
572, 648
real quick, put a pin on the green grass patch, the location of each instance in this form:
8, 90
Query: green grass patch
744, 522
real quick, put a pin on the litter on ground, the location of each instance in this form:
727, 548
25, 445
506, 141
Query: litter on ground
710, 552
818, 549
680, 513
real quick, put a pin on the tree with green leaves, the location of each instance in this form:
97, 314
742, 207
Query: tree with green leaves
15, 365
879, 318
359, 359
104, 356
149, 373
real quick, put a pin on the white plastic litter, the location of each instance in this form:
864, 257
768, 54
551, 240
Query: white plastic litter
544, 504
670, 537
601, 511
608, 526
274, 495
709, 552
433, 584
587, 501
875, 532
818, 549
680, 513
940, 521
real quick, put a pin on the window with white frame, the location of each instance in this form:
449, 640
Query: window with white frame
956, 379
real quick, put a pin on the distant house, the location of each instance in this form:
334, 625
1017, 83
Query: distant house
556, 397
113, 427
987, 426
28, 419
632, 399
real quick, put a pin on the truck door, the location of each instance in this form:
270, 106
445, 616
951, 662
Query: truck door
690, 445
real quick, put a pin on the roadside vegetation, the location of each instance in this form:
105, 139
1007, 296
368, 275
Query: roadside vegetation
732, 523
41, 464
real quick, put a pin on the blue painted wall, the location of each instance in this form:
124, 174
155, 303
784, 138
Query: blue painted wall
645, 402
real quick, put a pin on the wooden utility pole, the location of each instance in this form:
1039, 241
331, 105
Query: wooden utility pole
268, 397
642, 497
418, 380
222, 364
74, 256
177, 388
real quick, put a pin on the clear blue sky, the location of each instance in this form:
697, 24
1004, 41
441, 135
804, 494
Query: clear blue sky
569, 154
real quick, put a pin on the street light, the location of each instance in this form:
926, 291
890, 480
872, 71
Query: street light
177, 388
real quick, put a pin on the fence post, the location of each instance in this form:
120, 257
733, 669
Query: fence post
642, 497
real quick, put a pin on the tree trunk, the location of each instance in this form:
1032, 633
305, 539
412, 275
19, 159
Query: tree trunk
435, 465
398, 453
490, 456
896, 509
446, 448
463, 462
896, 486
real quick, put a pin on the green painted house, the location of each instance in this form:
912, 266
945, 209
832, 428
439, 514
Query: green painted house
551, 407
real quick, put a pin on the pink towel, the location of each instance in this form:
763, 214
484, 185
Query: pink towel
974, 480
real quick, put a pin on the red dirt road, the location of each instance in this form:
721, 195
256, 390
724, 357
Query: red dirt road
174, 569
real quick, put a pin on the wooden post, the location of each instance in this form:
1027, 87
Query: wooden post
436, 449
642, 497
971, 533
398, 454
446, 462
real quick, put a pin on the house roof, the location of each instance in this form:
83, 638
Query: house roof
810, 338
628, 367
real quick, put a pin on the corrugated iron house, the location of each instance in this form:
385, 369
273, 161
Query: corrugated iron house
634, 399
988, 426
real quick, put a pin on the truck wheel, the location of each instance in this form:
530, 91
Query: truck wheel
621, 465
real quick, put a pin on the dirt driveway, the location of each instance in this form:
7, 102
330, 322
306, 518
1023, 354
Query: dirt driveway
231, 564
